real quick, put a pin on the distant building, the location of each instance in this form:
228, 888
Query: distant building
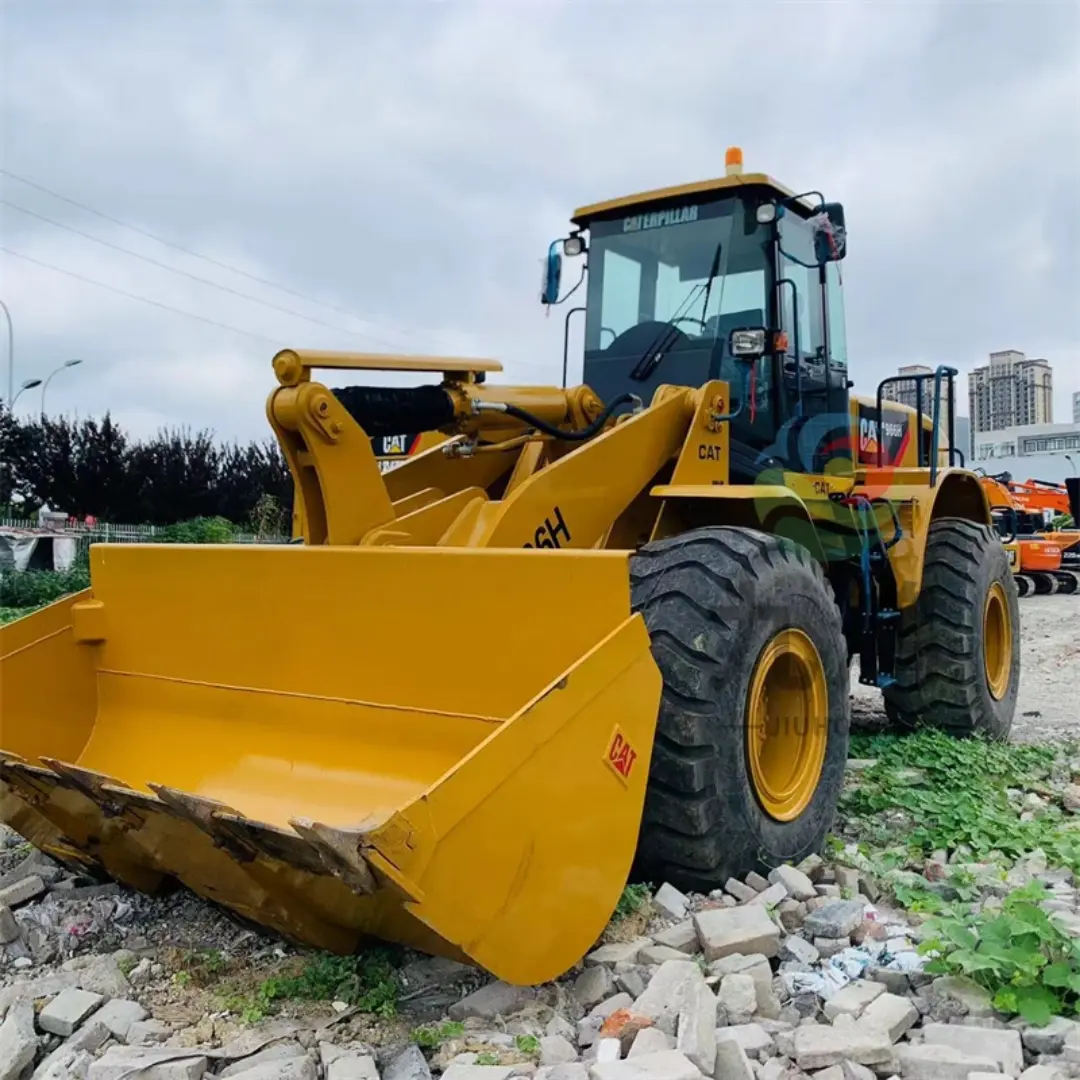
1010, 391
1022, 444
907, 392
963, 436
1076, 407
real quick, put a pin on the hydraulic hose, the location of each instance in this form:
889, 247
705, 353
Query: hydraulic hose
558, 433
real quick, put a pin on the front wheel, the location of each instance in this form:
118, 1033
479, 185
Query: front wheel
752, 735
958, 650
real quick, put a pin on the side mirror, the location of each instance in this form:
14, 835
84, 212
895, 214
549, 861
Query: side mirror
830, 235
549, 294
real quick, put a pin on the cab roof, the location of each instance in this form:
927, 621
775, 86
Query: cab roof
585, 214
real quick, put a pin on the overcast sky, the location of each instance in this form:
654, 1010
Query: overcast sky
408, 163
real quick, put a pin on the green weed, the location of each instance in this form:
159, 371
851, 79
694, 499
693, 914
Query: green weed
1019, 955
486, 1057
634, 898
953, 795
527, 1044
368, 981
431, 1037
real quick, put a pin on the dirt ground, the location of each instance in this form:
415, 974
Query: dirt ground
1049, 705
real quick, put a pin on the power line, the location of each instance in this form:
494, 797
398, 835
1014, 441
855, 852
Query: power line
135, 296
198, 255
187, 274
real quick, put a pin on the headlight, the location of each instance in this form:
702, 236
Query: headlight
747, 343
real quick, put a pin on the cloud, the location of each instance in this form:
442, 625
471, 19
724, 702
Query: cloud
409, 164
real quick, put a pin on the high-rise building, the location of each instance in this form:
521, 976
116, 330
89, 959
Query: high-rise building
907, 392
1010, 391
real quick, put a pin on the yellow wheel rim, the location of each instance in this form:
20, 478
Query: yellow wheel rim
997, 641
787, 721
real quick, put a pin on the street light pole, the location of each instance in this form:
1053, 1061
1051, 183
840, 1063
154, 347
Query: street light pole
11, 356
65, 364
28, 385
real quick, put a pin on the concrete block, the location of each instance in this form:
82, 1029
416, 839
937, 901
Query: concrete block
731, 1061
22, 891
748, 929
771, 896
9, 928
1004, 1047
671, 902
593, 985
123, 1062
742, 892
621, 951
118, 1015
738, 997
891, 1013
555, 1050
817, 1046
753, 1038
67, 1011
650, 1041
18, 1040
853, 998
495, 999
660, 1002
353, 1067
797, 884
663, 1065
696, 1024
920, 1062
681, 936
836, 919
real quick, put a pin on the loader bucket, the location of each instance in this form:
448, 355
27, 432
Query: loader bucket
445, 748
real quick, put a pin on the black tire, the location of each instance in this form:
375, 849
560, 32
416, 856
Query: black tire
941, 671
1066, 582
1023, 585
713, 599
1044, 584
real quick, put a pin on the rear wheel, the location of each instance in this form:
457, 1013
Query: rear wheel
958, 652
752, 736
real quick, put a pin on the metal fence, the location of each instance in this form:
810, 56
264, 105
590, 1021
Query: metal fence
103, 532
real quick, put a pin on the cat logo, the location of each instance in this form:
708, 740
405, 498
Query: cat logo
891, 441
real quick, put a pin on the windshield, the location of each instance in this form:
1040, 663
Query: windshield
703, 268
650, 268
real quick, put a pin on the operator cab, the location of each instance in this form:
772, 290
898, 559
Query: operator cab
735, 279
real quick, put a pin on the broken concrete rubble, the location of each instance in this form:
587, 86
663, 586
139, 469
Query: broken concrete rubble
724, 931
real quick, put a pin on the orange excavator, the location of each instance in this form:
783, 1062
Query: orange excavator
1045, 559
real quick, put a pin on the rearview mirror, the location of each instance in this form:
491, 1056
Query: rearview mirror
830, 235
552, 275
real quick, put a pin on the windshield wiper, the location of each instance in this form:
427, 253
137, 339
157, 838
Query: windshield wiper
652, 356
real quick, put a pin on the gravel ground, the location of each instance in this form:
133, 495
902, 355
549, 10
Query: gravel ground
1049, 674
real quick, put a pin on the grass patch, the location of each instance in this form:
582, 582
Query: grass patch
634, 899
432, 1036
9, 613
368, 981
631, 915
944, 793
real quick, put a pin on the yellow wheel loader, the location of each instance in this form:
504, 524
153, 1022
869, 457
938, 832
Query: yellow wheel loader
587, 633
